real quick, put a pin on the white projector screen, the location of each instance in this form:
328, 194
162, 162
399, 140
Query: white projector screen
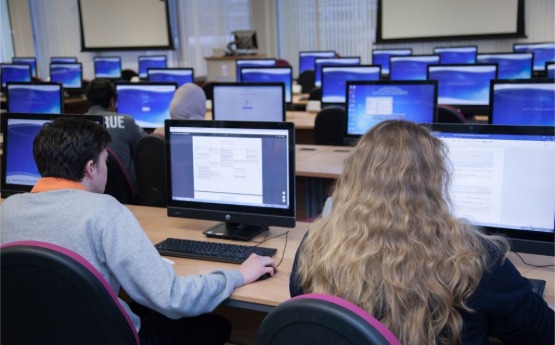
124, 25
410, 20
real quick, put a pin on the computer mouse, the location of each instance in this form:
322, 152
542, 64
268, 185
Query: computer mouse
266, 275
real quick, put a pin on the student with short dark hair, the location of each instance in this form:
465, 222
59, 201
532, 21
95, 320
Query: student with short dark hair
66, 207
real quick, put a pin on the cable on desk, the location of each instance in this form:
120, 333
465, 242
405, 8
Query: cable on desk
526, 263
269, 238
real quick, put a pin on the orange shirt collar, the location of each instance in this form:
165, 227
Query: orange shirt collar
46, 184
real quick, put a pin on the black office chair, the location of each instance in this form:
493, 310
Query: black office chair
449, 114
51, 295
150, 168
329, 126
306, 81
322, 319
315, 94
208, 89
118, 183
127, 74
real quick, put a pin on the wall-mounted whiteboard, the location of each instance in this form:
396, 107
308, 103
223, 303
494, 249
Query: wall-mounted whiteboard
410, 20
124, 25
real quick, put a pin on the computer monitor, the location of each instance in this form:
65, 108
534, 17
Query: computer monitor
240, 63
457, 55
509, 65
43, 98
338, 61
29, 61
464, 86
63, 59
240, 173
550, 70
18, 171
413, 67
249, 102
171, 75
381, 57
147, 103
335, 78
306, 59
372, 102
543, 52
14, 72
503, 181
269, 75
152, 61
522, 102
70, 75
245, 41
107, 67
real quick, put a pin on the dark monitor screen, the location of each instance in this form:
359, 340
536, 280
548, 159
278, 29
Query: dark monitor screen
240, 63
339, 61
63, 59
15, 72
306, 59
269, 75
381, 57
550, 70
463, 85
153, 61
457, 55
29, 61
43, 98
147, 103
171, 75
245, 39
528, 102
369, 103
413, 67
543, 52
19, 172
108, 67
503, 180
241, 173
335, 78
70, 75
249, 102
509, 65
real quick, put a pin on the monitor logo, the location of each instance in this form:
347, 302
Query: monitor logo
227, 217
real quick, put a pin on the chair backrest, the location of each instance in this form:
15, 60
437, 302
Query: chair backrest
150, 168
127, 74
282, 63
118, 183
322, 319
208, 89
315, 94
52, 295
306, 80
329, 126
449, 114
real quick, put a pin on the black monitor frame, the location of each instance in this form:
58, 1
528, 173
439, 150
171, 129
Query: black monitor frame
313, 51
3, 82
530, 48
238, 67
95, 58
323, 67
140, 57
24, 59
61, 92
455, 47
245, 39
192, 70
539, 243
274, 67
393, 50
394, 57
318, 69
547, 64
240, 222
69, 89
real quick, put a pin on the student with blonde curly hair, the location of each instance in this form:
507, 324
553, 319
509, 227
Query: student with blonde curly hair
392, 246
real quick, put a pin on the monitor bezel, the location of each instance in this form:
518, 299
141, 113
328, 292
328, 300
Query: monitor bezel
313, 51
540, 243
289, 68
60, 88
141, 57
73, 58
261, 216
34, 64
96, 58
343, 104
2, 82
216, 85
392, 57
509, 53
318, 69
8, 189
67, 63
351, 138
188, 69
456, 47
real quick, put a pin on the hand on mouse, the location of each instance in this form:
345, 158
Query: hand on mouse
255, 266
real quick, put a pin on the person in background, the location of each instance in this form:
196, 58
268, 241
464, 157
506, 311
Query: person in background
125, 133
391, 245
67, 208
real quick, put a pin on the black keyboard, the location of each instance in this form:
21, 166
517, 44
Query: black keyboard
213, 251
538, 286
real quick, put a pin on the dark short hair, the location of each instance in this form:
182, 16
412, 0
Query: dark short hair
63, 147
100, 92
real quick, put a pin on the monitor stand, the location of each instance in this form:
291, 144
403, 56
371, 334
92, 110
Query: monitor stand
234, 231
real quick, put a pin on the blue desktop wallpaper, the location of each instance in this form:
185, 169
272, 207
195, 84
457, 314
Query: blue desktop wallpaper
267, 76
331, 62
525, 105
542, 53
15, 73
170, 77
510, 67
107, 69
66, 74
149, 108
382, 58
447, 57
462, 87
251, 63
410, 102
154, 62
24, 99
306, 61
551, 71
20, 164
334, 81
25, 61
415, 69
